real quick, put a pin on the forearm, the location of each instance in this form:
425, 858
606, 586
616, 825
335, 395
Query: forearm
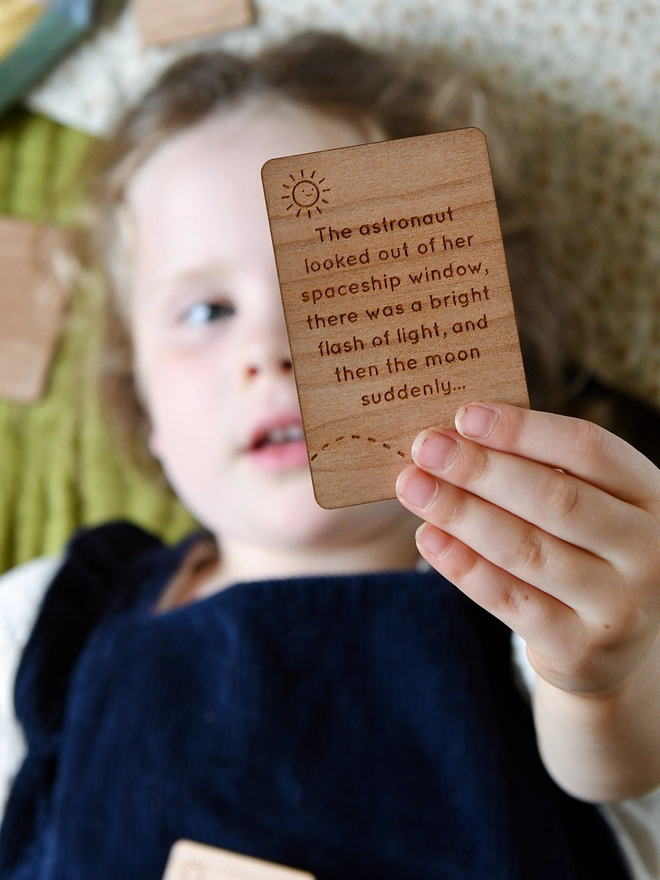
607, 747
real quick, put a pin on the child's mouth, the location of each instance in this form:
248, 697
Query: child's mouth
278, 436
279, 447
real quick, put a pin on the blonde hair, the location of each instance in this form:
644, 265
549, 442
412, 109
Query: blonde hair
334, 76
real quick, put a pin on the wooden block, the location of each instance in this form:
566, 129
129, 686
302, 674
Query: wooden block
32, 298
396, 297
167, 21
195, 861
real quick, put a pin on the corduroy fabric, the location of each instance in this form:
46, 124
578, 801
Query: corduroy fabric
355, 727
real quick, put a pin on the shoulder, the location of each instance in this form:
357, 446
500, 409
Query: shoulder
48, 607
21, 593
102, 572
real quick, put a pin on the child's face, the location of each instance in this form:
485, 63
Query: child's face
212, 354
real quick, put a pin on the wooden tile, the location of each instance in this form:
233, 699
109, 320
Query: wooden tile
396, 296
32, 299
195, 861
167, 21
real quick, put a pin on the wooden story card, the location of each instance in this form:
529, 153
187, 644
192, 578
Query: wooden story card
196, 861
396, 297
167, 21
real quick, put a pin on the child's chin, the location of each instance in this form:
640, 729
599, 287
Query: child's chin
296, 517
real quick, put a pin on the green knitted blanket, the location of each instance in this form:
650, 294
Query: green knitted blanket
59, 469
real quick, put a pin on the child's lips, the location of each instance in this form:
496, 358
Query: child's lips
276, 456
278, 443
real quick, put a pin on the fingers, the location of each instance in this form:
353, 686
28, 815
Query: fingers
540, 619
552, 525
578, 447
569, 651
513, 545
555, 503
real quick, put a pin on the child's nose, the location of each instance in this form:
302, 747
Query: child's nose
255, 366
268, 351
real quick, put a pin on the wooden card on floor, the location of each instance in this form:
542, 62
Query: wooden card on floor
196, 861
167, 21
396, 297
32, 300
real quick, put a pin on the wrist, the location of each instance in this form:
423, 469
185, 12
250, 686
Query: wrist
602, 746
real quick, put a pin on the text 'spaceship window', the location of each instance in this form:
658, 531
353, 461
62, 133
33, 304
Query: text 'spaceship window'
396, 297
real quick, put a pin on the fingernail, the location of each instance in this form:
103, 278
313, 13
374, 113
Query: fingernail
475, 421
432, 540
434, 451
417, 488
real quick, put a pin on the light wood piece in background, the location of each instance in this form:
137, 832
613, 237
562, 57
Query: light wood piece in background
32, 299
195, 861
167, 21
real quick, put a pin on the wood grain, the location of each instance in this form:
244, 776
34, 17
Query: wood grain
196, 861
167, 21
396, 296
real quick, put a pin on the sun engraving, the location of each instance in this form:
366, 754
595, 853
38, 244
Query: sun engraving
306, 194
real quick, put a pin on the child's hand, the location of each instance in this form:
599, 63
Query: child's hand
553, 525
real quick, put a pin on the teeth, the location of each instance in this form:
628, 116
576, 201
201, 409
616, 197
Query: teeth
285, 435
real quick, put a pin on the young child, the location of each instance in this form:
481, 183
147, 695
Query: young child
291, 685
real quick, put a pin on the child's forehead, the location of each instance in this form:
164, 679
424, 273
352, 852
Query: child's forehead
198, 200
243, 138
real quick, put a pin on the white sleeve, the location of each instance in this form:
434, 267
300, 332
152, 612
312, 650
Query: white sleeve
635, 823
21, 592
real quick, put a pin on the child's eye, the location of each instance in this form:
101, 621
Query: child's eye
207, 313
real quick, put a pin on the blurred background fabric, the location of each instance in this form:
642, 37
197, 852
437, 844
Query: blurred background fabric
577, 83
58, 466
